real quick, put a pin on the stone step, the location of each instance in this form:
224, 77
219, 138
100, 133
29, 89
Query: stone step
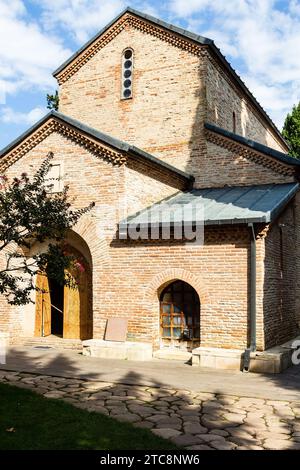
173, 354
53, 342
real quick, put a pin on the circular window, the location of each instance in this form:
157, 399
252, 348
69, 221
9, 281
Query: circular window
127, 83
127, 93
127, 73
128, 54
127, 64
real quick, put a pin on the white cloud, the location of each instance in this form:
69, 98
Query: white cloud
261, 38
12, 8
221, 38
27, 54
186, 8
81, 18
148, 7
10, 116
262, 41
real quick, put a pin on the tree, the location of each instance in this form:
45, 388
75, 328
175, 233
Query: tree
53, 101
291, 131
29, 214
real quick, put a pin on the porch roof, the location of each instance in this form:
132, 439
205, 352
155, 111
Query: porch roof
218, 206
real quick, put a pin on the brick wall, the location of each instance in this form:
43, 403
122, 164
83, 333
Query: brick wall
281, 318
91, 178
165, 115
8, 322
218, 271
174, 92
223, 98
123, 271
221, 166
296, 256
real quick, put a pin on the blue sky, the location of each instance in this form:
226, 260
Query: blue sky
260, 38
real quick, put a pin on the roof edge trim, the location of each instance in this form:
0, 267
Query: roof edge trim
276, 154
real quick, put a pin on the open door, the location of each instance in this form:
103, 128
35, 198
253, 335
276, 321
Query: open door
61, 310
43, 307
76, 307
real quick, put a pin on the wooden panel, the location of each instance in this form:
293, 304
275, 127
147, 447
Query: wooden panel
43, 307
46, 307
38, 307
76, 304
84, 306
71, 312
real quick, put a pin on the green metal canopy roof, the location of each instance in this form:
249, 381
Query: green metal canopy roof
218, 206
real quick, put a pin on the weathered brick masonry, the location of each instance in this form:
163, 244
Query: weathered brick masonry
177, 86
225, 98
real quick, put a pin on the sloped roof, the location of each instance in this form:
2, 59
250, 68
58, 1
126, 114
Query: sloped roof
176, 29
188, 35
117, 144
218, 206
280, 156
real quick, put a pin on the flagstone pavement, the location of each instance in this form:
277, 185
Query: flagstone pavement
193, 419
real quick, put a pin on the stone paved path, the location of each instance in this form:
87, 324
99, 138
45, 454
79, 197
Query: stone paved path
193, 420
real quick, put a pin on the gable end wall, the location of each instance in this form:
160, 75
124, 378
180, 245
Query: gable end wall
224, 97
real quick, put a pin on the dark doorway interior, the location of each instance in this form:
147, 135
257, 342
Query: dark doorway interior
57, 305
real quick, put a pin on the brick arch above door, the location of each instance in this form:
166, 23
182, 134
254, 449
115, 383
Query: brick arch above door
98, 246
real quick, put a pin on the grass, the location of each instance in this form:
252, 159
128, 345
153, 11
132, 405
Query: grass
31, 422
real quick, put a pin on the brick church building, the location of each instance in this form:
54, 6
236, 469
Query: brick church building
150, 113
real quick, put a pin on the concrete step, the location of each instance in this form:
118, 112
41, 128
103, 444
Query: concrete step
53, 342
173, 354
128, 350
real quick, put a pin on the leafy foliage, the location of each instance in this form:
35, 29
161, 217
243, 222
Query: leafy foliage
53, 101
29, 214
291, 131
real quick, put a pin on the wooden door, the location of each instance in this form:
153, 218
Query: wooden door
43, 307
76, 307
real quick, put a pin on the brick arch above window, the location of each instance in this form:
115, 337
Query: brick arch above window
161, 280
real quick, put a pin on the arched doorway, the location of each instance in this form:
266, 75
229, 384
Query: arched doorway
62, 310
180, 316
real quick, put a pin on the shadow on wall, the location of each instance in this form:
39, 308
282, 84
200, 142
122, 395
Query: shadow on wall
220, 105
227, 109
281, 319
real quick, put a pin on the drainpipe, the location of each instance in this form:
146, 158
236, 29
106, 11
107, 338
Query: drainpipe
252, 347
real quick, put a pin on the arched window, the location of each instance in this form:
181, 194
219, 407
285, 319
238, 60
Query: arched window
127, 74
233, 122
179, 314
